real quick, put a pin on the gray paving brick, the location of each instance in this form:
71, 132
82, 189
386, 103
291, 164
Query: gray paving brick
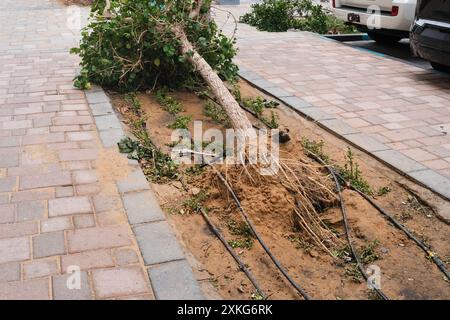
142, 207
49, 244
263, 84
9, 272
296, 103
101, 109
399, 161
278, 92
9, 141
338, 126
7, 213
136, 181
111, 137
157, 243
4, 199
96, 97
8, 184
366, 142
248, 75
21, 249
316, 114
435, 181
65, 290
30, 210
174, 281
10, 160
35, 289
40, 268
107, 122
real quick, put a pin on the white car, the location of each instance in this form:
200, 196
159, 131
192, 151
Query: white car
385, 21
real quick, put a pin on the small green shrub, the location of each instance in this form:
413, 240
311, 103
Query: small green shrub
180, 122
195, 203
241, 243
281, 15
258, 104
352, 173
316, 148
168, 102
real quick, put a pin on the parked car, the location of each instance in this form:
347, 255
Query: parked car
392, 24
430, 35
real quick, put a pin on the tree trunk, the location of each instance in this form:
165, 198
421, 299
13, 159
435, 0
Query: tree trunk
237, 116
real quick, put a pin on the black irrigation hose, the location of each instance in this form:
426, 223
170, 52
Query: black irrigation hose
347, 232
233, 254
439, 263
252, 227
408, 233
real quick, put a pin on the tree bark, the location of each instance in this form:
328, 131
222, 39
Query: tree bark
237, 116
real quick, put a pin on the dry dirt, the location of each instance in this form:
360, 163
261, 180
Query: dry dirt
406, 272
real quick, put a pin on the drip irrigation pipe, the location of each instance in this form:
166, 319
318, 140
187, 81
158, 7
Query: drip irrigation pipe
437, 261
233, 254
299, 289
348, 235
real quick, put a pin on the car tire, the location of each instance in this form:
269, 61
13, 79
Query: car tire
384, 38
440, 67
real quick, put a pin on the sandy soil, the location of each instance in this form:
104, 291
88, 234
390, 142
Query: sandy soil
406, 273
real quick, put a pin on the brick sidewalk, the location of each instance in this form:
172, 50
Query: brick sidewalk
398, 112
67, 197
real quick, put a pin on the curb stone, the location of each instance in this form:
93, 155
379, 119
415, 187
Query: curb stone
170, 274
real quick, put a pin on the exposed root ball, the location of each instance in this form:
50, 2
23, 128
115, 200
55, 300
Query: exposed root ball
294, 197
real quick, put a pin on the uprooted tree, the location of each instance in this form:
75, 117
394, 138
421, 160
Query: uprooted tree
140, 44
144, 44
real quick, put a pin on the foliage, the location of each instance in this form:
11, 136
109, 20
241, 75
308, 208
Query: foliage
246, 243
136, 48
239, 229
272, 123
281, 15
168, 102
352, 271
216, 113
157, 165
352, 173
316, 148
368, 253
244, 232
195, 203
383, 191
258, 104
180, 122
132, 100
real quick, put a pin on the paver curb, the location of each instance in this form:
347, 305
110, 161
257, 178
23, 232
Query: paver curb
170, 274
378, 150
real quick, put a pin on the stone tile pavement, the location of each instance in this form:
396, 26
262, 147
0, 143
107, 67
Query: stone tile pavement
398, 112
68, 199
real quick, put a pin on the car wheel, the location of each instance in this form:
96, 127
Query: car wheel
384, 38
440, 67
